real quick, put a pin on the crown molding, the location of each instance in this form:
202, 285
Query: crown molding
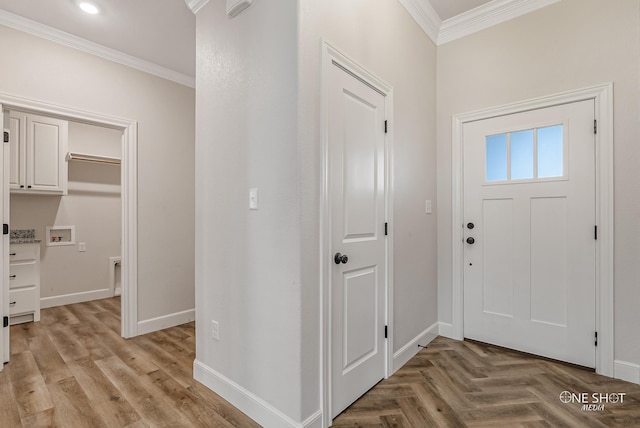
28, 26
425, 15
485, 16
196, 5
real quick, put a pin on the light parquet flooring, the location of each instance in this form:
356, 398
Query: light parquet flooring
468, 384
72, 369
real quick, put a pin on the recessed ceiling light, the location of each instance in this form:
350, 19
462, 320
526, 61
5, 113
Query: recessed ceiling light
89, 8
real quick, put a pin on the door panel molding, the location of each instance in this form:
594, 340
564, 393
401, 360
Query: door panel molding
129, 193
603, 97
332, 57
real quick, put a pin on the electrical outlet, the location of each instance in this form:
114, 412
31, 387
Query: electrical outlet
215, 332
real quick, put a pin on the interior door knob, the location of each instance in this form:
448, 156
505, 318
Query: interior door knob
470, 240
340, 258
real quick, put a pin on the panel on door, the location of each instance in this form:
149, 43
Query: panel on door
357, 198
529, 190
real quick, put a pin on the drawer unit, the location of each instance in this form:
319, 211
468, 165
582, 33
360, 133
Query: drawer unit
21, 301
24, 283
23, 252
22, 274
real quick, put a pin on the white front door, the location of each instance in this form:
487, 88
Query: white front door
529, 231
356, 166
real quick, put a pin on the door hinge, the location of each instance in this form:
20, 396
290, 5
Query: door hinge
6, 137
385, 126
5, 321
386, 331
596, 339
595, 232
595, 126
5, 229
386, 229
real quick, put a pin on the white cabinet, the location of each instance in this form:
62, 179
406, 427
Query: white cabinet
24, 283
38, 146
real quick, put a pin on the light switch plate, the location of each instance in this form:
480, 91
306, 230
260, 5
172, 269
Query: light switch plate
253, 199
428, 207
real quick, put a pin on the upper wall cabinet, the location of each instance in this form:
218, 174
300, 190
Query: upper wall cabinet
38, 146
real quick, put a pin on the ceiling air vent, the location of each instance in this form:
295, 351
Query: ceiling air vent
234, 7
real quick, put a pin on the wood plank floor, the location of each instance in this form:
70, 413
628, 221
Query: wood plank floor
467, 384
73, 369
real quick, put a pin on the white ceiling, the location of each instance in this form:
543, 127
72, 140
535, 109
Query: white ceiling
158, 36
159, 31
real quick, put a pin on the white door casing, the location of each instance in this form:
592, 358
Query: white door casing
603, 98
356, 205
4, 211
529, 275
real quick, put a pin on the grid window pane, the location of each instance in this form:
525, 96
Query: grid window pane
550, 152
522, 155
496, 153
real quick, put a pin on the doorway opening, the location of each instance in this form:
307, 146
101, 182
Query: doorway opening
125, 131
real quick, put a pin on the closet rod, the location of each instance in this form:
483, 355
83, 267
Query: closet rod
92, 158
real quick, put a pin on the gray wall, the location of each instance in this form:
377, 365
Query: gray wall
569, 45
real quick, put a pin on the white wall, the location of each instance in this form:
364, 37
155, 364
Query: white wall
258, 125
44, 71
248, 262
92, 206
569, 45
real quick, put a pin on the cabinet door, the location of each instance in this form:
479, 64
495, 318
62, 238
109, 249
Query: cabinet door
46, 149
17, 149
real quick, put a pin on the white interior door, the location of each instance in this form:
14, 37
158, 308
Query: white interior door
4, 211
530, 244
357, 198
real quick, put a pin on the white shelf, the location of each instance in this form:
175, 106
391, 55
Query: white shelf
93, 158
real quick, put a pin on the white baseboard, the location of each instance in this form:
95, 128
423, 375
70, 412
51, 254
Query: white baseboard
409, 350
446, 330
626, 371
70, 299
166, 321
250, 404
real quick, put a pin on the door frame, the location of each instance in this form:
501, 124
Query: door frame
331, 56
603, 97
128, 195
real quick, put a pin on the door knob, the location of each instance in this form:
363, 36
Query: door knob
470, 226
340, 258
470, 240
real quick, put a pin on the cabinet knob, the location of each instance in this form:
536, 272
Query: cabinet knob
22, 186
29, 186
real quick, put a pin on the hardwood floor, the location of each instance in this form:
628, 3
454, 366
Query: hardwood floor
467, 384
73, 369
